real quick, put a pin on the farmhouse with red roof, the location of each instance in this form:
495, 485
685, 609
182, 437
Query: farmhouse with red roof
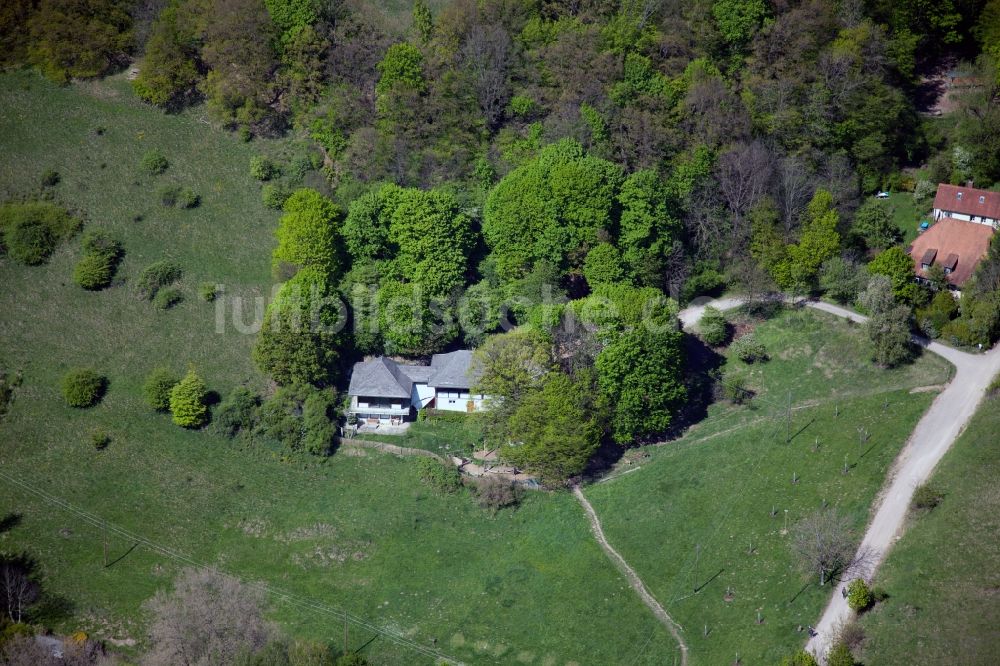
967, 203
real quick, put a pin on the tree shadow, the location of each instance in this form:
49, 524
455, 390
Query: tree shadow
702, 364
10, 521
52, 608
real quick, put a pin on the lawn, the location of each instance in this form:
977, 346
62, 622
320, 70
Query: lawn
943, 577
357, 532
908, 215
696, 514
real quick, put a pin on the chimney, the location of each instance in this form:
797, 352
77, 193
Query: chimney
968, 184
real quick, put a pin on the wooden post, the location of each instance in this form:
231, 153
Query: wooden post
346, 648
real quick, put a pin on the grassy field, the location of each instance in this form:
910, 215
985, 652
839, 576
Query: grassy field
696, 512
359, 533
943, 577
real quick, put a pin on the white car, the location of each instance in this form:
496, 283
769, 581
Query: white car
882, 195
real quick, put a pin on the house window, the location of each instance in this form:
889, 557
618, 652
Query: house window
947, 271
982, 198
959, 196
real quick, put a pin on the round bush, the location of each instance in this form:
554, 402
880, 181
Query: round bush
859, 595
713, 326
93, 272
840, 655
100, 439
274, 195
30, 241
749, 349
800, 658
167, 298
157, 275
188, 198
82, 387
156, 389
208, 291
261, 168
187, 401
154, 163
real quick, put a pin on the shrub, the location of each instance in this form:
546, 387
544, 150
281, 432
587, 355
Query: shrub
30, 241
262, 168
734, 389
713, 326
167, 298
879, 594
100, 439
840, 655
93, 272
443, 477
749, 349
274, 195
859, 595
800, 658
238, 412
207, 291
298, 417
351, 659
521, 105
187, 401
82, 387
50, 178
319, 432
495, 493
188, 198
157, 387
154, 163
158, 275
32, 229
926, 497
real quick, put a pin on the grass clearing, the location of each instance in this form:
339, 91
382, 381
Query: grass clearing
943, 576
696, 513
908, 215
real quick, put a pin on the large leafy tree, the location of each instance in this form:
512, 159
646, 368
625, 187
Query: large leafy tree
308, 235
170, 67
553, 208
641, 376
302, 333
423, 236
554, 431
79, 38
874, 224
896, 265
818, 242
647, 227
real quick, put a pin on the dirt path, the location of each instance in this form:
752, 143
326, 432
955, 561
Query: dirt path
633, 578
933, 435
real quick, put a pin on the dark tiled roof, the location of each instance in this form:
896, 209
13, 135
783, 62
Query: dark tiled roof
981, 203
950, 261
380, 378
962, 243
453, 370
929, 255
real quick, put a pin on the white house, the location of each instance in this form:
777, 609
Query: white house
384, 391
968, 204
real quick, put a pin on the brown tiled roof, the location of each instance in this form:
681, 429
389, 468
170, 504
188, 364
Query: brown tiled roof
947, 199
962, 244
929, 255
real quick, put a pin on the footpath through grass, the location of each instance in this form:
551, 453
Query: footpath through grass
362, 533
943, 577
696, 515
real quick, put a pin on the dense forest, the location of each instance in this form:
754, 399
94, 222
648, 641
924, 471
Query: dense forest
541, 162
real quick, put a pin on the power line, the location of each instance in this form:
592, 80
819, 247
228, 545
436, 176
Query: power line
288, 597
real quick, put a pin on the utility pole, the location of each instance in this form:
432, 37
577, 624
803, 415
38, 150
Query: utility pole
105, 544
347, 650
